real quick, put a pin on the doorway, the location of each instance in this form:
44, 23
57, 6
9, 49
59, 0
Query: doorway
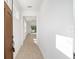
30, 27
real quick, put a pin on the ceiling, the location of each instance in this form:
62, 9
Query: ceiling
30, 4
30, 19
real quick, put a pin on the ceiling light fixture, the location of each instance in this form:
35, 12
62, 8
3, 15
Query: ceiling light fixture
29, 6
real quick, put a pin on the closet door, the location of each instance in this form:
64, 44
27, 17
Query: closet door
8, 32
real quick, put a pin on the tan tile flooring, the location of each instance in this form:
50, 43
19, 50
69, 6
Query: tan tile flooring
29, 50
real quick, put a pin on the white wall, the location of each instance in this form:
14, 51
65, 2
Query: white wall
55, 17
28, 27
17, 28
25, 27
29, 13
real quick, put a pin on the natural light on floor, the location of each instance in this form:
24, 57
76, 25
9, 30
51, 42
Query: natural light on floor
35, 41
65, 45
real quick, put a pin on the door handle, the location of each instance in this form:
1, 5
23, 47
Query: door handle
12, 36
13, 49
74, 55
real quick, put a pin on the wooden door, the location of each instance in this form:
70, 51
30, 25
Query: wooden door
8, 32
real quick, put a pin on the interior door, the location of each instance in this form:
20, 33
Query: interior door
8, 32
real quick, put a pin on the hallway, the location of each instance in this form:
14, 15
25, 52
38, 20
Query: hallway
29, 50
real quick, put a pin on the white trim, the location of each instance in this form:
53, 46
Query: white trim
76, 29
